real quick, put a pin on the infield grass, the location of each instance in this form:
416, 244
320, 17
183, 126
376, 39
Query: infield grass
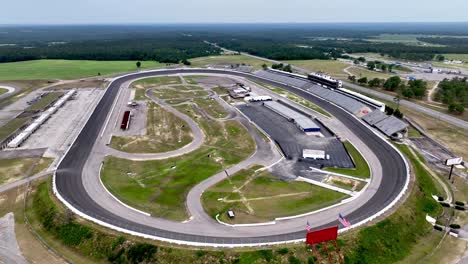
164, 132
261, 197
160, 187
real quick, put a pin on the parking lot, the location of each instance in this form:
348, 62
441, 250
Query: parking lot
59, 131
293, 141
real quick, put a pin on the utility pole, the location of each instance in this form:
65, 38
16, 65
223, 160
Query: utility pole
397, 99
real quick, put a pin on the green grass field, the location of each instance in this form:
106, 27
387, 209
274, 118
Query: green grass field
164, 132
260, 197
462, 57
3, 90
229, 59
169, 93
361, 169
155, 81
19, 168
331, 67
67, 69
160, 187
360, 72
407, 39
211, 107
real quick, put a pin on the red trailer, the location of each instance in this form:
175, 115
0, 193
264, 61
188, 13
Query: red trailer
125, 120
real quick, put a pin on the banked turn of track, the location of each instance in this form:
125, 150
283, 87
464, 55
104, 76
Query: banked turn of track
68, 185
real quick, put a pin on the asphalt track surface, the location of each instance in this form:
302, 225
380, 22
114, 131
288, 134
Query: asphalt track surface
69, 183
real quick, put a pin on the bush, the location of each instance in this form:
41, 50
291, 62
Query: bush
362, 80
439, 228
440, 198
459, 203
398, 114
445, 204
294, 260
141, 252
266, 254
461, 208
455, 226
73, 234
283, 251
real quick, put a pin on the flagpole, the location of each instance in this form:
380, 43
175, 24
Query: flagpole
316, 254
337, 249
328, 254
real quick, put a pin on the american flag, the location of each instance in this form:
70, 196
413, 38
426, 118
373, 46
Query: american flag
343, 221
308, 226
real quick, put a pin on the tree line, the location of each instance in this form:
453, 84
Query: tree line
454, 93
167, 50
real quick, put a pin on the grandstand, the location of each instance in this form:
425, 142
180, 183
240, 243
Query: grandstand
388, 125
349, 104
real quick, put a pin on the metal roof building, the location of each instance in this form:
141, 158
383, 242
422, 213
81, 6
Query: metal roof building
374, 117
303, 122
391, 125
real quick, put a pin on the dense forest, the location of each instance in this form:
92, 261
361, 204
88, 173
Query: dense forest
163, 49
453, 92
175, 43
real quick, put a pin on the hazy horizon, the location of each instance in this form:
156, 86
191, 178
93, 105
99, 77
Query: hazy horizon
68, 12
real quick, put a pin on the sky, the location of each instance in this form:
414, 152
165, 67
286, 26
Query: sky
229, 11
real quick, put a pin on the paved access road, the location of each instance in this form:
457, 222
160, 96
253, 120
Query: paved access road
380, 193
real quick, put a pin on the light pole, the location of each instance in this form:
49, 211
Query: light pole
397, 99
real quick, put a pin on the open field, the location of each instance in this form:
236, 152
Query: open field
3, 90
211, 107
168, 93
331, 67
407, 39
260, 197
44, 102
192, 79
164, 132
462, 57
360, 72
155, 81
361, 169
67, 69
229, 59
16, 169
160, 187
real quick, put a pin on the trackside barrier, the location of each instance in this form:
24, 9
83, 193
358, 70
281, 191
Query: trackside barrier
105, 222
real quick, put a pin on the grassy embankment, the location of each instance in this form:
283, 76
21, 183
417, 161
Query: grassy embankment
67, 69
164, 132
160, 187
388, 241
361, 169
19, 168
261, 197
